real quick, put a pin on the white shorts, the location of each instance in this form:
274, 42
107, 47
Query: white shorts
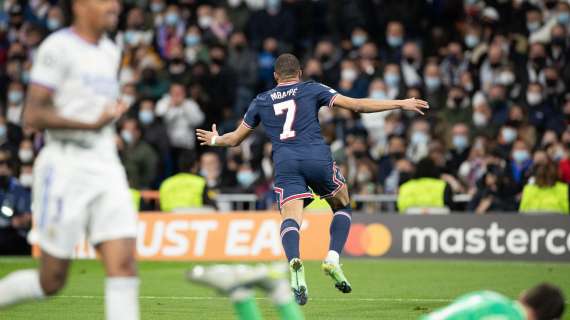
74, 197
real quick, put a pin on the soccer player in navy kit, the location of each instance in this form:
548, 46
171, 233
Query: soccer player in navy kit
303, 160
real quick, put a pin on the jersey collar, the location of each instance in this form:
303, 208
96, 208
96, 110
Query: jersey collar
287, 83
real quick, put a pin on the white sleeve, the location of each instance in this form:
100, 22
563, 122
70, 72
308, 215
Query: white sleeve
193, 112
49, 66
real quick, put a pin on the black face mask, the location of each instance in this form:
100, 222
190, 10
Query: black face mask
325, 57
550, 4
458, 101
218, 61
410, 60
539, 61
359, 154
551, 82
567, 117
559, 41
495, 65
404, 177
4, 182
240, 47
397, 155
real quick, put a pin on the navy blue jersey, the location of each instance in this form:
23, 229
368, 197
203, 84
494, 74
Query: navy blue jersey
289, 113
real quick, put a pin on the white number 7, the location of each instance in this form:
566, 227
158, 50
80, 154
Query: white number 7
291, 108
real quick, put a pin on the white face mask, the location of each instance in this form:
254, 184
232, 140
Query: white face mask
128, 99
204, 22
533, 98
348, 75
26, 179
479, 119
26, 155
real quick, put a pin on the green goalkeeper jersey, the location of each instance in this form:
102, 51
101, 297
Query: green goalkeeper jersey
481, 305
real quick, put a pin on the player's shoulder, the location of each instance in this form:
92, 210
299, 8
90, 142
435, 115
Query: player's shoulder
57, 39
314, 85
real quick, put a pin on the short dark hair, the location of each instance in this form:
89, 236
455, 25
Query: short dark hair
427, 168
287, 65
546, 300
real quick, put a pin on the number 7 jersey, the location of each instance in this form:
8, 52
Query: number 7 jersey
289, 113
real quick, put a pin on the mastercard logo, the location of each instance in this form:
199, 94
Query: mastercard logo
371, 240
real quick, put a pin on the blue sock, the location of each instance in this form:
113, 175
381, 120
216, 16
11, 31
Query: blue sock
290, 238
340, 226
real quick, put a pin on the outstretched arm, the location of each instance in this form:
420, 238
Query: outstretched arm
372, 105
230, 139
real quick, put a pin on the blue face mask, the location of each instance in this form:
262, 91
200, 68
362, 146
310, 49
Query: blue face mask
127, 136
520, 156
563, 17
433, 83
191, 40
246, 178
156, 7
130, 37
15, 97
378, 95
471, 40
509, 135
419, 138
53, 24
171, 18
358, 40
25, 77
146, 117
533, 26
460, 142
392, 79
394, 41
3, 131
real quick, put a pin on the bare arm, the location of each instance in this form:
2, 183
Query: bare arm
40, 112
230, 139
372, 105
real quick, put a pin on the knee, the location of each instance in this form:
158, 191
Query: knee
123, 267
52, 282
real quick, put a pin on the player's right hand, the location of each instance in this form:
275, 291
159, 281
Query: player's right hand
205, 137
414, 104
111, 113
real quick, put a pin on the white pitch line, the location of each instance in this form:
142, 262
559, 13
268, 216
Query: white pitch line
224, 298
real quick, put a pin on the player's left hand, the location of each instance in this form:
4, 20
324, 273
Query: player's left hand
205, 137
413, 104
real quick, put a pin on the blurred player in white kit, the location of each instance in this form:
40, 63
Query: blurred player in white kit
80, 187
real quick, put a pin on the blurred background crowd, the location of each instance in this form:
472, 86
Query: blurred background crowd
494, 72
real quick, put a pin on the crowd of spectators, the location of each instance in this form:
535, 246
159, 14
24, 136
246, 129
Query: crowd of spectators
494, 72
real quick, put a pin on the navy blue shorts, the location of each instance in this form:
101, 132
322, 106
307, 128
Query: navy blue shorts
293, 178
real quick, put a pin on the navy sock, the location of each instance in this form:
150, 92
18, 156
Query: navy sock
290, 238
340, 226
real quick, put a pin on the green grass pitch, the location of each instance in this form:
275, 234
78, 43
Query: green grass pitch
382, 289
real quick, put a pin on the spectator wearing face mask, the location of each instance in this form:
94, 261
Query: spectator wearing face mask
545, 193
411, 64
155, 134
460, 148
419, 137
519, 166
541, 113
171, 31
55, 19
375, 122
352, 82
393, 81
457, 108
518, 117
396, 150
10, 136
138, 157
194, 48
435, 92
453, 65
560, 14
15, 215
15, 103
395, 35
534, 69
558, 51
26, 151
508, 134
243, 62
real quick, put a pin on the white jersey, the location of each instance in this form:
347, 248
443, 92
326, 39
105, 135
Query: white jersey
84, 80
